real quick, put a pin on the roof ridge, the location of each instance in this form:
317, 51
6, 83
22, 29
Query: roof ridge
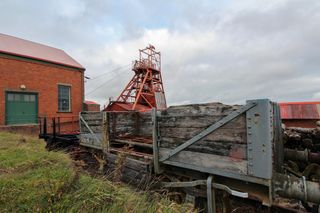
31, 49
32, 41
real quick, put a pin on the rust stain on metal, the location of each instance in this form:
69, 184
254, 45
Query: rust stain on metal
237, 154
300, 110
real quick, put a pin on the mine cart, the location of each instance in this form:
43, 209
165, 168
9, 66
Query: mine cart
205, 150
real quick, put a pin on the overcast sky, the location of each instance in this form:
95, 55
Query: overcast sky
227, 51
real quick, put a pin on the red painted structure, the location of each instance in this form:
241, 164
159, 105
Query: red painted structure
300, 114
145, 90
91, 106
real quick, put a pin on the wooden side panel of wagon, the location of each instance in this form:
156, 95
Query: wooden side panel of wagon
230, 141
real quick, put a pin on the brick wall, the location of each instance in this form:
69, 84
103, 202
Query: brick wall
43, 79
24, 130
92, 107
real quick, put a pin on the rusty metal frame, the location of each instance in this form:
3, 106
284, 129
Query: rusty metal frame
204, 182
211, 186
219, 172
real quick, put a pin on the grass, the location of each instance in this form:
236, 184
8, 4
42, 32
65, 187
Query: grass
35, 180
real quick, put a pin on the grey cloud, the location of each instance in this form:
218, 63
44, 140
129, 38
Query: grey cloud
211, 51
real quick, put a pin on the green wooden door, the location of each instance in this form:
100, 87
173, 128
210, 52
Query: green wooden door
21, 108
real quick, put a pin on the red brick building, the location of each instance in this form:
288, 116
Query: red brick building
37, 80
91, 106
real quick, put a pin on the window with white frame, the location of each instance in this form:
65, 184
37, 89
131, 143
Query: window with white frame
64, 98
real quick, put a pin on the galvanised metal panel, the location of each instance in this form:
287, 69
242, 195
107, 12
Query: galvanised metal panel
260, 138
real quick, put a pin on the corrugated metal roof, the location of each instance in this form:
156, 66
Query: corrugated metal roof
20, 47
300, 110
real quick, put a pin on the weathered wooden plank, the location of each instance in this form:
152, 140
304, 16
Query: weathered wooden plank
224, 148
120, 123
132, 153
200, 121
119, 127
209, 109
93, 121
184, 122
132, 143
131, 123
145, 115
92, 115
89, 140
204, 160
145, 131
130, 163
95, 129
123, 118
139, 179
125, 122
221, 134
93, 124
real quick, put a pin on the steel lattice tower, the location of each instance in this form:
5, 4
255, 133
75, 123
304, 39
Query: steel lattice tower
145, 90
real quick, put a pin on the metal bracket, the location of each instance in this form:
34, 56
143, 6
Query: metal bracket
203, 182
278, 139
105, 138
210, 190
209, 130
305, 189
211, 196
155, 141
260, 138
